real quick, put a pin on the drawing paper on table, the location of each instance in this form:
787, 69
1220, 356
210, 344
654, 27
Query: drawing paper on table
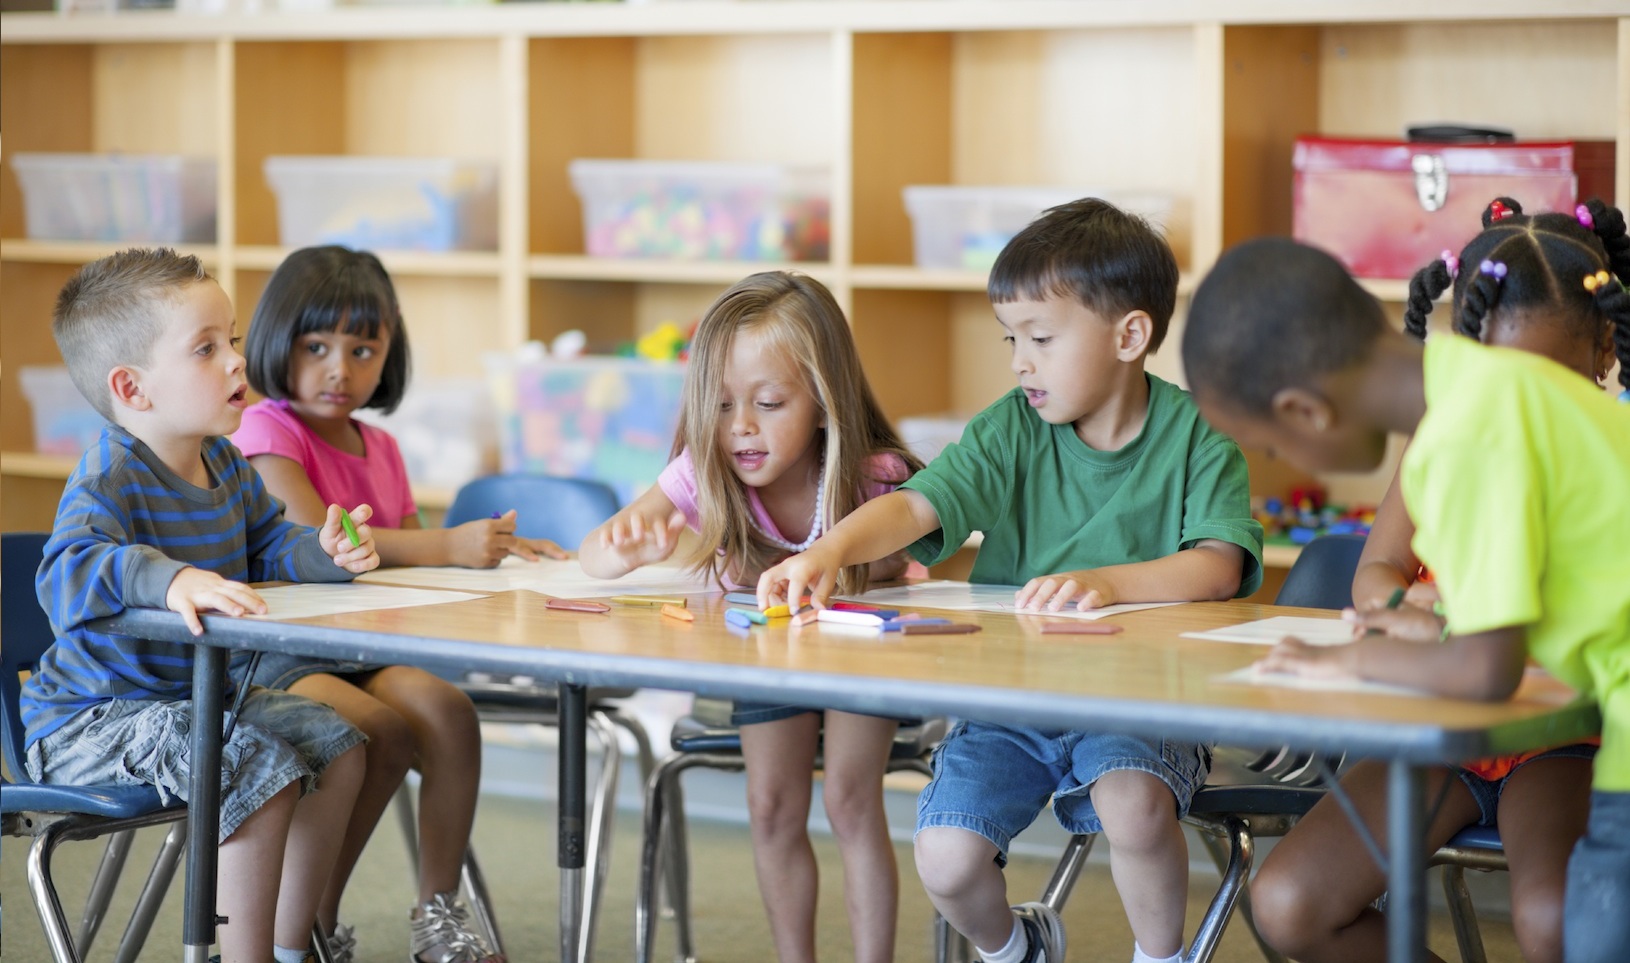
334, 598
965, 597
1251, 675
1270, 631
561, 577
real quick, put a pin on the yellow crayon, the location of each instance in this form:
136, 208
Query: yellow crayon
653, 601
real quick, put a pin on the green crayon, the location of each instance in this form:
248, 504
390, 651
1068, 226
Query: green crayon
350, 529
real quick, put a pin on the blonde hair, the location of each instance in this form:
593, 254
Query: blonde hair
112, 311
799, 318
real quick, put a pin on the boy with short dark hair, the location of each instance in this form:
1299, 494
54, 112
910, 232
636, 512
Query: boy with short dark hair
164, 512
1515, 478
1094, 483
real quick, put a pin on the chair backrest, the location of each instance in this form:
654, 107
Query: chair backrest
563, 510
25, 634
1322, 577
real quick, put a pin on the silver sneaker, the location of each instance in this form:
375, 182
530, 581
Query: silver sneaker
442, 934
342, 944
1044, 930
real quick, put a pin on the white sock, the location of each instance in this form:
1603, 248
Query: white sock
283, 954
1138, 956
1013, 951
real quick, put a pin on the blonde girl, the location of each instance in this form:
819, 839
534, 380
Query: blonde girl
779, 438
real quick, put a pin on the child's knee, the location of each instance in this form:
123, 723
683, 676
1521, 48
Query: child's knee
951, 860
1536, 921
851, 806
777, 809
391, 748
1137, 810
1284, 910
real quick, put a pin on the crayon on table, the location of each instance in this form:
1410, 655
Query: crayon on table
742, 598
1079, 628
954, 628
678, 612
881, 613
752, 615
649, 600
896, 624
806, 617
350, 529
842, 617
577, 605
738, 618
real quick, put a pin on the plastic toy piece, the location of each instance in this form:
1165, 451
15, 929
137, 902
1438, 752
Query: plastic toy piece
1079, 628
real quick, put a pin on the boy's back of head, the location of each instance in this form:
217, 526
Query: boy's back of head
1274, 314
113, 310
1093, 252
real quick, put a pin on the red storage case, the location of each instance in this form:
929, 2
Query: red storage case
1385, 208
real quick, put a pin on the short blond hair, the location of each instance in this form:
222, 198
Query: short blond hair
111, 312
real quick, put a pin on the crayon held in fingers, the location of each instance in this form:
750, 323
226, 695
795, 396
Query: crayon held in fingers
928, 628
678, 612
1396, 598
577, 605
350, 529
1079, 628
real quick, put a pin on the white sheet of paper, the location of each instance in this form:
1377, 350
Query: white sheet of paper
562, 578
333, 598
965, 597
1270, 631
1251, 675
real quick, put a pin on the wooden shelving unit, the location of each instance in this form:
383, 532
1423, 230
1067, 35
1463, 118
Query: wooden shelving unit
1198, 99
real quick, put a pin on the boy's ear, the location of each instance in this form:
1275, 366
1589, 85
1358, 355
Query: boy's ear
1305, 412
124, 384
1132, 334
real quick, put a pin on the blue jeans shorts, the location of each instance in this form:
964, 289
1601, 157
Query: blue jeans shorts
1487, 791
1595, 926
279, 671
279, 739
995, 780
751, 713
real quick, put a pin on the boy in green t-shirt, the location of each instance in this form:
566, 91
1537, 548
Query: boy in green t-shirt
1093, 483
1516, 478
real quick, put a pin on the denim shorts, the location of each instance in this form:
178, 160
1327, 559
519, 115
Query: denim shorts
995, 780
279, 738
279, 671
1595, 927
1487, 791
752, 713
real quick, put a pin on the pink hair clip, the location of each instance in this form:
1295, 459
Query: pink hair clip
1583, 213
1495, 269
1499, 212
1450, 262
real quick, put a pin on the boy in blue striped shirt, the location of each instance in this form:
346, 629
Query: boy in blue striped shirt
164, 512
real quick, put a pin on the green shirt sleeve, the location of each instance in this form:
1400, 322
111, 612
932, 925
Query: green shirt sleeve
1217, 505
968, 483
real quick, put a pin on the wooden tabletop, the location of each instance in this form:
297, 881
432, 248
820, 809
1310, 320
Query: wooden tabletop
1144, 679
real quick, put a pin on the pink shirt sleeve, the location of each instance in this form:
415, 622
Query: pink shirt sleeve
678, 482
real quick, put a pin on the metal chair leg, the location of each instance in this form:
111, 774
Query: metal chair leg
1067, 871
1464, 916
152, 893
597, 851
408, 820
1237, 872
46, 902
652, 831
475, 887
103, 883
1219, 857
949, 945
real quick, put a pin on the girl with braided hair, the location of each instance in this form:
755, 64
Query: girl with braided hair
1544, 284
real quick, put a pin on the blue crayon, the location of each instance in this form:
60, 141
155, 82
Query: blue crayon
751, 615
742, 598
738, 618
894, 625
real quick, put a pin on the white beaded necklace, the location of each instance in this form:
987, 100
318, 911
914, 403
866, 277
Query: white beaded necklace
814, 524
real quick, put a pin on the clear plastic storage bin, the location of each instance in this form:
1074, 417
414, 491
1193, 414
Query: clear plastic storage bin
702, 210
964, 228
64, 422
386, 203
610, 419
163, 198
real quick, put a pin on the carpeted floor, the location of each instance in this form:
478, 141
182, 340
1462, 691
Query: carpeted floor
515, 840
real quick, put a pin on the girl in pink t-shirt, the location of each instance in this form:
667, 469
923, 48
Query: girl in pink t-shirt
327, 338
779, 438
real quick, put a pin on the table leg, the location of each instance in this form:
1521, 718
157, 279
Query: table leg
204, 802
573, 716
1406, 879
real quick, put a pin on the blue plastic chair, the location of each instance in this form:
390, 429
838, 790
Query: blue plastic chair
53, 814
1322, 577
563, 510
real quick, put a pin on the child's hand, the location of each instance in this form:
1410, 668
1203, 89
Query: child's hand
813, 573
1407, 623
337, 543
638, 539
196, 590
1087, 588
1292, 656
485, 542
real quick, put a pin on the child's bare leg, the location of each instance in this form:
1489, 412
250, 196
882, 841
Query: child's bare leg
1544, 808
390, 753
780, 759
1148, 856
958, 869
447, 735
856, 755
249, 867
319, 824
1311, 899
